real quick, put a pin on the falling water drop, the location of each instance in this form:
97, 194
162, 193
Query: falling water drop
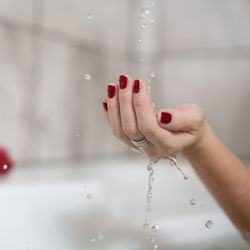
143, 26
87, 77
93, 240
145, 226
90, 16
141, 17
155, 246
139, 40
5, 166
151, 21
89, 196
192, 202
152, 74
142, 60
153, 240
149, 89
155, 228
209, 224
147, 11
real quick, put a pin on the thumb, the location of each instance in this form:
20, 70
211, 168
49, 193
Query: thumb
185, 118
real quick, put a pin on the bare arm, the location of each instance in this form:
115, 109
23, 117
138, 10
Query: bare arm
225, 176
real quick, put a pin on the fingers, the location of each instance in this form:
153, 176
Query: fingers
113, 114
146, 119
186, 118
128, 118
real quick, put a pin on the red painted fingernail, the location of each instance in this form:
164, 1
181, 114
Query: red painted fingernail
136, 86
166, 117
105, 106
123, 81
5, 162
111, 91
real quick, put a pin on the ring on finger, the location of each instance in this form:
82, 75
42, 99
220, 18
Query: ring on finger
141, 144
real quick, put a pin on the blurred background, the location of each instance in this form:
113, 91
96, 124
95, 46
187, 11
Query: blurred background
56, 59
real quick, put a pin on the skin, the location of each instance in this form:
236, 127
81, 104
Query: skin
131, 116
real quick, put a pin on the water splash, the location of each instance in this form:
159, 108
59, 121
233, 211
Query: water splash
174, 162
5, 166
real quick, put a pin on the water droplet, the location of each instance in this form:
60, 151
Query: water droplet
155, 247
151, 21
209, 224
87, 77
100, 237
155, 228
147, 11
77, 135
5, 166
84, 186
143, 26
139, 40
192, 202
152, 74
90, 16
150, 166
141, 17
141, 60
149, 195
93, 240
153, 105
149, 89
89, 196
153, 240
145, 226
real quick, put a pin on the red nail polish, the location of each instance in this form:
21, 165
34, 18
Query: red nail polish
166, 117
136, 86
123, 81
111, 91
105, 106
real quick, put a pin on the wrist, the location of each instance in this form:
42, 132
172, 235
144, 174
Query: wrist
202, 144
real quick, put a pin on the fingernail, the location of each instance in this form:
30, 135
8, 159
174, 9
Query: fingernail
111, 91
136, 86
166, 117
105, 106
123, 81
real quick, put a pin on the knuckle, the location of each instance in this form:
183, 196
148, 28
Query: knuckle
125, 98
131, 131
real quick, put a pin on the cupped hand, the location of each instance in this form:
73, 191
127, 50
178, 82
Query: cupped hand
130, 115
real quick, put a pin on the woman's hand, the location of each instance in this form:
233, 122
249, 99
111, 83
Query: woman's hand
130, 115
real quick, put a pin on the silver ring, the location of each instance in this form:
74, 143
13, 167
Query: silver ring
141, 144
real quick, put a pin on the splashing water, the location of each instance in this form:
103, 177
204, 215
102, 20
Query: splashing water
87, 76
209, 224
5, 166
174, 162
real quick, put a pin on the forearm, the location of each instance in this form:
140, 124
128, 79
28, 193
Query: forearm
225, 176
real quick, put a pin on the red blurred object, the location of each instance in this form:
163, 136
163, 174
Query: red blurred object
5, 162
